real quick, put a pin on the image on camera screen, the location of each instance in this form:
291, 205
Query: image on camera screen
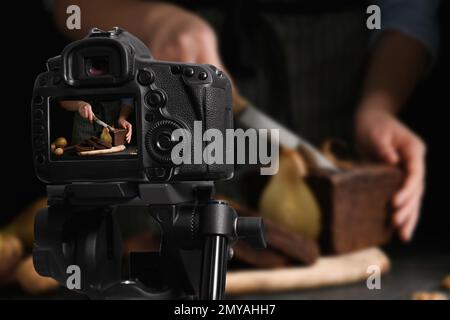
92, 129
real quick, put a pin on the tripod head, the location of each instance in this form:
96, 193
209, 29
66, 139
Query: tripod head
79, 228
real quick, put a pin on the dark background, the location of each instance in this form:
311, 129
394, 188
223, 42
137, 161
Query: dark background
32, 39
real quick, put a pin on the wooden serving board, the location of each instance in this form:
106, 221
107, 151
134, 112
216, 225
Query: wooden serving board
327, 271
102, 151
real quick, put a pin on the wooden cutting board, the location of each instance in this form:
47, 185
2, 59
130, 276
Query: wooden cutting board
327, 271
102, 151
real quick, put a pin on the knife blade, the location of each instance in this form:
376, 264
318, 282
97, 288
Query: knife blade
251, 117
103, 124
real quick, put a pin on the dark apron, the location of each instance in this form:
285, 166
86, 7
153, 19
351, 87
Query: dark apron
298, 63
107, 111
301, 65
303, 68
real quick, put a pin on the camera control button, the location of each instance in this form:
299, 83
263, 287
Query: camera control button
160, 172
38, 114
158, 140
40, 159
39, 143
145, 77
202, 75
164, 141
156, 98
38, 100
188, 72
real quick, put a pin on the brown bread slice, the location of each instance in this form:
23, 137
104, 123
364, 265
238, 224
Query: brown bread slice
101, 142
291, 247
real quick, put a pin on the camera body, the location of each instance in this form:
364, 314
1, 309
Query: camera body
112, 65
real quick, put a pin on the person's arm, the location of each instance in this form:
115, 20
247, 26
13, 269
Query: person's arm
125, 111
400, 56
82, 107
397, 63
126, 108
170, 32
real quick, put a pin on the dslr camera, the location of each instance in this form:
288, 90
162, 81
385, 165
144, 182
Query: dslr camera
114, 75
104, 116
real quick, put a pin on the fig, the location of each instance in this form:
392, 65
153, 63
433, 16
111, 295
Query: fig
59, 152
61, 142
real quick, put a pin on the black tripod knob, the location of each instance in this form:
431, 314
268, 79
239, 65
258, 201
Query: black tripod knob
251, 230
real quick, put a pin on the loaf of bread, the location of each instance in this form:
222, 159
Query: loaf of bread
355, 206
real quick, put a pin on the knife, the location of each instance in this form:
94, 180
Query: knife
103, 124
251, 117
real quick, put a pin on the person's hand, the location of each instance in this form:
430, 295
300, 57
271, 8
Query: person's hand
178, 35
381, 135
124, 124
85, 111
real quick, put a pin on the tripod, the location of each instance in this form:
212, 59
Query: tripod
79, 228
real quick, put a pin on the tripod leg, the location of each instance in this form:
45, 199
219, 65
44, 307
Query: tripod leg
214, 266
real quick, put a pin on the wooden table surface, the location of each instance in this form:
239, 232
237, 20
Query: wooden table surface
411, 271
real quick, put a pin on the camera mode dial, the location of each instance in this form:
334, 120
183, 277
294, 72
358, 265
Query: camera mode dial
158, 140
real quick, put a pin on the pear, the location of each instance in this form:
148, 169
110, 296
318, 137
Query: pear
288, 201
106, 136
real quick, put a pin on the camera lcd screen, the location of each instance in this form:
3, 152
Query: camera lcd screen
92, 129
